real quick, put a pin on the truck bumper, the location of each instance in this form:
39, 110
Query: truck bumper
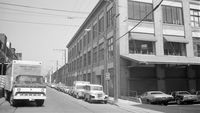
30, 98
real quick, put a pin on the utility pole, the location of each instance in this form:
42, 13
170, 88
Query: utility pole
116, 53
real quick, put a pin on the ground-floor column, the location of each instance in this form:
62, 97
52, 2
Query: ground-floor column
191, 79
160, 73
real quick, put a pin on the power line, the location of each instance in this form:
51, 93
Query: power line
49, 14
28, 22
140, 21
42, 8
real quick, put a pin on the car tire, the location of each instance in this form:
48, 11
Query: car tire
148, 101
12, 101
178, 101
39, 102
105, 102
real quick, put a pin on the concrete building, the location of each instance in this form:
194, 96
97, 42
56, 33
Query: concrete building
161, 53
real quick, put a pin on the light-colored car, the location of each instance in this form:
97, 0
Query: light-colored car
94, 93
156, 97
184, 97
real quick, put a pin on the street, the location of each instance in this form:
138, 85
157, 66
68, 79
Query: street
58, 102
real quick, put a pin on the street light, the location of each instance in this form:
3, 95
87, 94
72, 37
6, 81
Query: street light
106, 73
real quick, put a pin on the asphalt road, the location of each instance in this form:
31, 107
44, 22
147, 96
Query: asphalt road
58, 102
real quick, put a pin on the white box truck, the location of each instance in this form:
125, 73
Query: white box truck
24, 82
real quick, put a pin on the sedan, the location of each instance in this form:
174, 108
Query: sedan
156, 97
184, 97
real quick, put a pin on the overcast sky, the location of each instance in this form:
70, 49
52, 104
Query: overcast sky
37, 27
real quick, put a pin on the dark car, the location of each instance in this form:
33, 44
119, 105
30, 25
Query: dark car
183, 97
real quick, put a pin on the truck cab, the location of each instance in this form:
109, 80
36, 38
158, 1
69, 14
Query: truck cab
24, 82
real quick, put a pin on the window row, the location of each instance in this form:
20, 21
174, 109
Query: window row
139, 10
96, 30
94, 56
148, 47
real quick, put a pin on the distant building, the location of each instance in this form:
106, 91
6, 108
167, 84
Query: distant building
162, 53
7, 53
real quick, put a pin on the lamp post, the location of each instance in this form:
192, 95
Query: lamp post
106, 73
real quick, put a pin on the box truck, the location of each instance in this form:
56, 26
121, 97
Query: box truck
24, 82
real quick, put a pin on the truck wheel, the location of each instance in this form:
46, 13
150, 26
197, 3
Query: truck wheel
39, 102
7, 95
12, 101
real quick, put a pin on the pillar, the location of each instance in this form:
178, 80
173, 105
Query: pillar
187, 28
191, 79
160, 73
158, 29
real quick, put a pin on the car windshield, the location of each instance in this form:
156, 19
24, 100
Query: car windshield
184, 92
79, 87
29, 79
155, 93
98, 88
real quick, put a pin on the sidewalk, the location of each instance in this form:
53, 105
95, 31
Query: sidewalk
130, 106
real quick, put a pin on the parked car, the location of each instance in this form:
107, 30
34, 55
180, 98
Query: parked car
184, 97
156, 97
94, 93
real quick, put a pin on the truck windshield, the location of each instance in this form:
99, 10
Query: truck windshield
29, 79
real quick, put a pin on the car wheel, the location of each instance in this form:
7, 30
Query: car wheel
105, 102
148, 101
90, 100
12, 101
165, 103
39, 102
178, 101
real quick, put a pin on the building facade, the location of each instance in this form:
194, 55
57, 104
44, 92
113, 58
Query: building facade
161, 53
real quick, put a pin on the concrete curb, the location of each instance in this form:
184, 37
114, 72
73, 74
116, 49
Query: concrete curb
2, 100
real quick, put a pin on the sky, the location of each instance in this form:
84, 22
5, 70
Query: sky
41, 29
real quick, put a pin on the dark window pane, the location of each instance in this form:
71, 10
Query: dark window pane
136, 10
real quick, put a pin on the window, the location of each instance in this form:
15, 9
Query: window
172, 15
101, 51
195, 17
174, 48
138, 10
196, 46
89, 57
84, 60
141, 47
95, 31
89, 36
95, 55
101, 25
110, 48
109, 17
84, 41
